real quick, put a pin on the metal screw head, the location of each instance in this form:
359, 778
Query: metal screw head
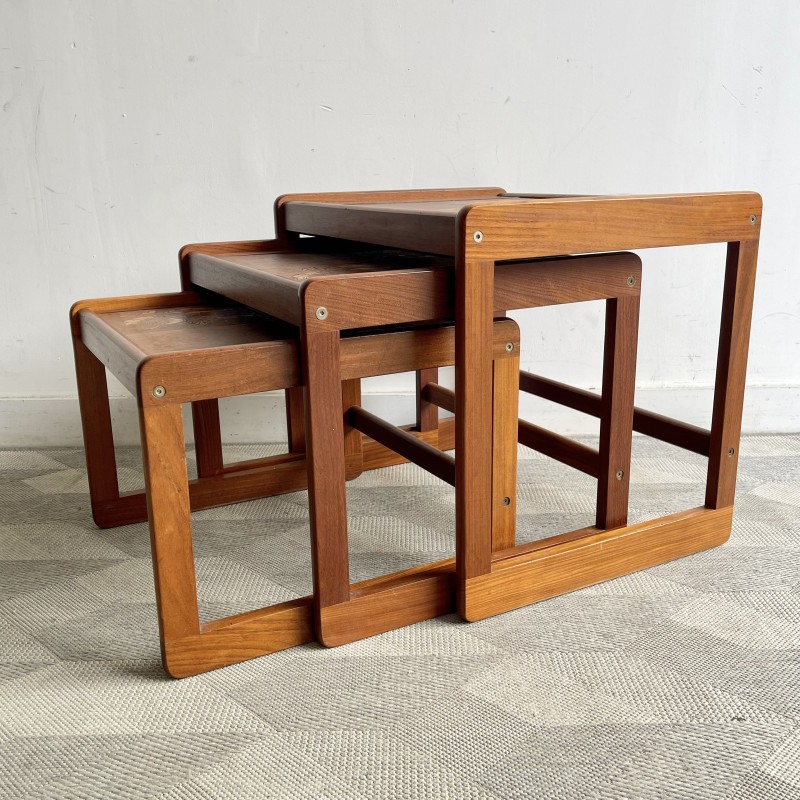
731, 451
620, 475
506, 501
753, 219
159, 391
631, 280
321, 313
509, 347
478, 237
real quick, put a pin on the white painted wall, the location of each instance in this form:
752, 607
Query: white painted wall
130, 128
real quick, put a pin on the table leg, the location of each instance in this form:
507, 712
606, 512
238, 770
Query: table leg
98, 437
167, 489
207, 438
474, 311
326, 471
427, 413
295, 419
505, 423
616, 411
734, 336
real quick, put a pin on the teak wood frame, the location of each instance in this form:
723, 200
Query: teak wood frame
481, 235
162, 382
423, 295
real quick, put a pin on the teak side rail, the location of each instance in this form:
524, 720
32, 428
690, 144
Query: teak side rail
480, 232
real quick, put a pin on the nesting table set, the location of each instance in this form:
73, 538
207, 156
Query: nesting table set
366, 283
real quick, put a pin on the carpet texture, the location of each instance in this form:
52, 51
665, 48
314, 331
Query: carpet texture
682, 681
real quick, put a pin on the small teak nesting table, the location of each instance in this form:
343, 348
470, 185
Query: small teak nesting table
491, 242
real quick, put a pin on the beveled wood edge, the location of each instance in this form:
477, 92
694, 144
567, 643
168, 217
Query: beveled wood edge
528, 576
389, 195
477, 215
241, 637
136, 302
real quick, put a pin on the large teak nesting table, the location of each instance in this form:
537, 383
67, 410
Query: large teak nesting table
483, 233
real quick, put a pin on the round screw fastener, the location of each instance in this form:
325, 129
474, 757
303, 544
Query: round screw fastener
159, 391
321, 313
478, 237
620, 475
509, 347
506, 501
631, 280
753, 219
731, 451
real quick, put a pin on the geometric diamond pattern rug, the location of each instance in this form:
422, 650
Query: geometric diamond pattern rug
682, 681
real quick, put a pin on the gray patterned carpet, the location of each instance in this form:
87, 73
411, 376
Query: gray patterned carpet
679, 682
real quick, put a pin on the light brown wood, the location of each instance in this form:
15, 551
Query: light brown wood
101, 464
384, 196
616, 411
561, 448
235, 639
474, 306
536, 228
166, 484
505, 413
207, 438
726, 422
404, 351
419, 597
263, 477
666, 429
529, 577
515, 227
353, 452
326, 469
405, 443
377, 456
553, 281
427, 412
295, 419
441, 396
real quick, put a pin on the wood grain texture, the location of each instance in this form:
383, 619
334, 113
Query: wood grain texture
166, 484
295, 419
254, 479
98, 437
421, 596
407, 350
377, 456
616, 411
529, 228
505, 414
666, 429
353, 452
726, 420
405, 444
427, 412
535, 228
474, 307
553, 281
207, 437
441, 396
385, 196
326, 474
561, 448
532, 576
235, 639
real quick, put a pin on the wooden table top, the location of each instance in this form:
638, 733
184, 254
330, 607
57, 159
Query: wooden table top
560, 224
